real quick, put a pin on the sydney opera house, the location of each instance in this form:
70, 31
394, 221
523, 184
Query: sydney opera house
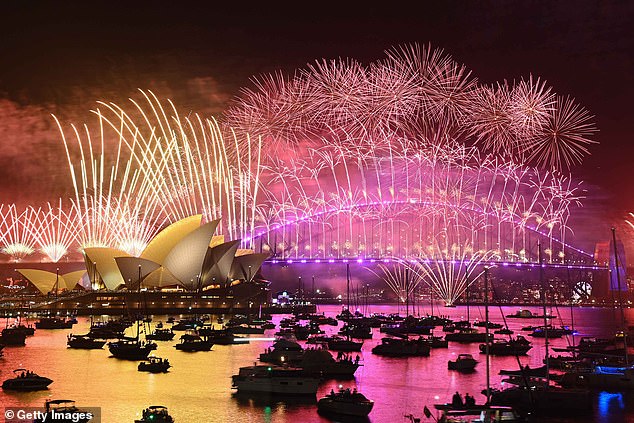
184, 266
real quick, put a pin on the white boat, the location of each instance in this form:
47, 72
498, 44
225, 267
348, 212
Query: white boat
274, 380
346, 403
479, 413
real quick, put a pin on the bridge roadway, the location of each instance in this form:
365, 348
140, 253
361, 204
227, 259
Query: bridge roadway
490, 263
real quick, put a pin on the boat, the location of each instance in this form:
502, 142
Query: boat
26, 380
467, 335
63, 411
155, 414
320, 362
161, 335
527, 371
222, 336
491, 325
527, 314
131, 349
187, 324
54, 323
345, 345
192, 342
27, 330
515, 346
154, 365
111, 329
464, 363
84, 342
504, 331
274, 380
283, 351
12, 336
477, 413
436, 341
551, 332
246, 329
393, 347
346, 403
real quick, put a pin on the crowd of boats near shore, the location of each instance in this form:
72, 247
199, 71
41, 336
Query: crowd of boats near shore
307, 349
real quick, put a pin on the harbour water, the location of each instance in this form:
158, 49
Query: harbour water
198, 386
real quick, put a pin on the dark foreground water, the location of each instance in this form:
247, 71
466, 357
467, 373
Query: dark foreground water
198, 387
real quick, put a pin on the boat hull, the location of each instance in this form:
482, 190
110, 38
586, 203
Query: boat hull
328, 406
276, 385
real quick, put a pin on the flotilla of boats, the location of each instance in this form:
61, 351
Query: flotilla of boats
290, 368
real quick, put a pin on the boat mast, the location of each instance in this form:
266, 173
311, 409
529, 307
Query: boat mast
348, 285
618, 282
468, 314
406, 292
543, 288
486, 317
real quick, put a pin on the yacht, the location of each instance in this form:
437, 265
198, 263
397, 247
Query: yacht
54, 323
320, 362
464, 362
467, 335
131, 349
192, 342
53, 409
155, 414
527, 314
222, 336
345, 403
26, 380
393, 347
345, 345
84, 342
12, 336
161, 335
477, 413
154, 365
275, 380
283, 351
515, 346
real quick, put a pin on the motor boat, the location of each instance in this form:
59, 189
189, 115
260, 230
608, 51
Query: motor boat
57, 410
283, 351
84, 342
477, 413
154, 365
464, 363
161, 335
344, 345
467, 335
54, 323
131, 349
26, 380
155, 414
527, 314
394, 347
320, 362
191, 342
274, 380
12, 336
515, 346
345, 402
222, 336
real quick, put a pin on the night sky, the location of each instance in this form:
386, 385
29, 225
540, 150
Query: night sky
61, 58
